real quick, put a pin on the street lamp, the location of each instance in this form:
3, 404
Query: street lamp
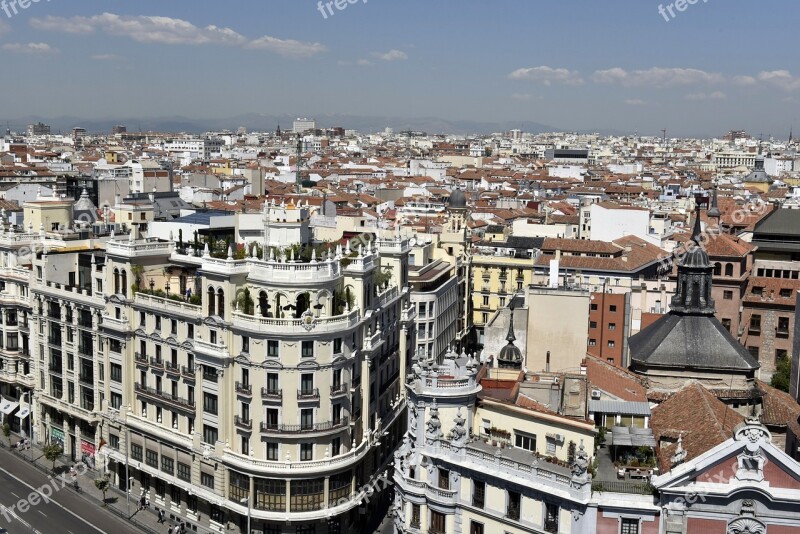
29, 395
128, 490
247, 499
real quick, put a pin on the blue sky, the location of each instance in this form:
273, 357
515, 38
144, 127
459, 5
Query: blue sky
718, 65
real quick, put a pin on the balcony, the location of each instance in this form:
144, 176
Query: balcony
139, 249
243, 423
244, 389
272, 272
293, 326
186, 404
310, 394
271, 394
269, 428
172, 368
340, 389
156, 363
112, 323
188, 371
140, 359
167, 306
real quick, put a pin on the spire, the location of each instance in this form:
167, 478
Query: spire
697, 231
510, 337
714, 212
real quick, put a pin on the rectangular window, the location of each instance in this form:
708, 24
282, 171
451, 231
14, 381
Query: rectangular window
173, 327
210, 434
550, 517
438, 521
116, 372
245, 344
727, 324
207, 480
444, 479
612, 326
307, 349
592, 324
272, 348
307, 418
781, 354
592, 342
167, 465
629, 526
755, 324
152, 458
415, 516
475, 528
184, 472
113, 440
136, 452
753, 351
551, 446
727, 295
478, 493
272, 451
306, 452
525, 441
783, 325
116, 400
210, 403
513, 507
337, 345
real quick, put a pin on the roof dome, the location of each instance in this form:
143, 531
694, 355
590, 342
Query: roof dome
458, 200
510, 356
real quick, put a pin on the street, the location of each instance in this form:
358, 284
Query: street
66, 512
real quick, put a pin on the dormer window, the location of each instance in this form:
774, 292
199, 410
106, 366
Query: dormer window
758, 291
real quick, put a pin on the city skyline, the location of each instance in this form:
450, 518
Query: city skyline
623, 67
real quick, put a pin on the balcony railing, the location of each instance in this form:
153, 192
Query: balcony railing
157, 363
188, 371
271, 394
164, 396
298, 429
308, 394
244, 389
140, 358
172, 367
242, 422
339, 389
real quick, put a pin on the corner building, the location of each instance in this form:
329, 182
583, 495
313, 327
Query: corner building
279, 387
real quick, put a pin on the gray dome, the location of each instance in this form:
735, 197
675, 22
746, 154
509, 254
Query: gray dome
458, 200
510, 356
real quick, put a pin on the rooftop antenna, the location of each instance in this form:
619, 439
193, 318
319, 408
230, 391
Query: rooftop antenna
664, 133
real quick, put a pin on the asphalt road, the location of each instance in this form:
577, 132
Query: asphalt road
64, 512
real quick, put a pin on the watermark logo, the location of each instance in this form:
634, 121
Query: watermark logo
672, 10
327, 7
12, 7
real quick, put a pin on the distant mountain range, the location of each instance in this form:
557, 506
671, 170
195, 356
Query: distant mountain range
259, 122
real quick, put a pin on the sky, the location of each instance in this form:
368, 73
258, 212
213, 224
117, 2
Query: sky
619, 65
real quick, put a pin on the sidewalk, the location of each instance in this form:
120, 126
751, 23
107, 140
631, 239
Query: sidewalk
145, 520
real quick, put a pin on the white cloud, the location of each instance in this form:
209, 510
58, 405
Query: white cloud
287, 47
30, 48
391, 55
635, 102
656, 77
524, 96
548, 75
716, 95
781, 79
364, 63
143, 29
172, 31
744, 81
4, 27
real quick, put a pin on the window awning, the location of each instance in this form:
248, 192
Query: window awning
7, 406
23, 412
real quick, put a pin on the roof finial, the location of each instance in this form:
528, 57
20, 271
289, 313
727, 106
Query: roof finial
697, 231
510, 337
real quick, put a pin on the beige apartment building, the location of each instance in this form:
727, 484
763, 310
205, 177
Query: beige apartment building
214, 386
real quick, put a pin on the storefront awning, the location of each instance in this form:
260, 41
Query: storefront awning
23, 412
7, 406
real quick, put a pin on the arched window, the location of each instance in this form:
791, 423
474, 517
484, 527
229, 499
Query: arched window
728, 269
211, 302
263, 304
302, 304
116, 281
717, 269
221, 302
124, 282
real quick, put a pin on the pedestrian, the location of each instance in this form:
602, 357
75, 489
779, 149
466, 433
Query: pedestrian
141, 503
161, 516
